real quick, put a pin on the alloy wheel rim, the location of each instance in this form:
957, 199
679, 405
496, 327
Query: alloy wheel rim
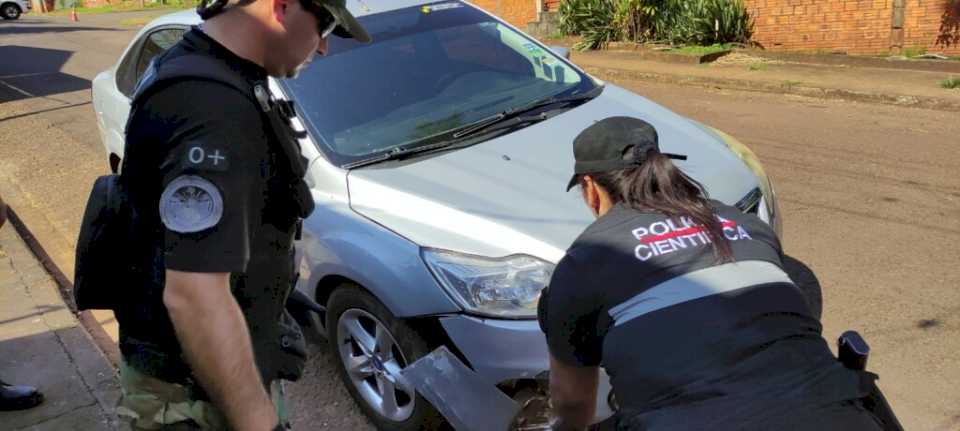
373, 361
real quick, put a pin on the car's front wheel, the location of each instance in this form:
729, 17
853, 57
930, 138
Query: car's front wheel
10, 11
371, 347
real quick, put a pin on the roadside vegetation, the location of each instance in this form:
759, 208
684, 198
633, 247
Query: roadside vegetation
951, 83
913, 52
698, 23
698, 51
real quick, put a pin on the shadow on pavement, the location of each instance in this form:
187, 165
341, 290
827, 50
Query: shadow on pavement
38, 359
35, 72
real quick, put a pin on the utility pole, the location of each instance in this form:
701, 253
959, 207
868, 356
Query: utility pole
896, 27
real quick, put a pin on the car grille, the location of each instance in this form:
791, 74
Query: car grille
751, 202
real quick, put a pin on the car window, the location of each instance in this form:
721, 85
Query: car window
132, 67
429, 69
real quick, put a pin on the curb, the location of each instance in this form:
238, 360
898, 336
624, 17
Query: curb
785, 87
945, 66
645, 53
101, 340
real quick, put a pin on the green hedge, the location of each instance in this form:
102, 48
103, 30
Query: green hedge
681, 22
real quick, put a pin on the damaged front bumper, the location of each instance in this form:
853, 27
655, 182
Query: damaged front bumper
513, 355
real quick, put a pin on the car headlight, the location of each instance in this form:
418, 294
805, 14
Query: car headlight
507, 288
769, 199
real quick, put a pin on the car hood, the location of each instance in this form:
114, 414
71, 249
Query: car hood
506, 196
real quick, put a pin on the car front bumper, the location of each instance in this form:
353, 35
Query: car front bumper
510, 350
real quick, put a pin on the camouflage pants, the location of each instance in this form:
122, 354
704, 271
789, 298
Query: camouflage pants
153, 404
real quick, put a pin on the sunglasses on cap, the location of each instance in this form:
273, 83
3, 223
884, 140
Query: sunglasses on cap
326, 22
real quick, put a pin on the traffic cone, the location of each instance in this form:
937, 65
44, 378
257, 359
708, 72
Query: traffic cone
73, 15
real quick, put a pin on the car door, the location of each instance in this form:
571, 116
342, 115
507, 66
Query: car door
115, 108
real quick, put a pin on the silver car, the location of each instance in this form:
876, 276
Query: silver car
440, 154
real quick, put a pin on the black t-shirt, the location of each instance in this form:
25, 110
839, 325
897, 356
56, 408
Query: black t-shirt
196, 153
201, 174
689, 343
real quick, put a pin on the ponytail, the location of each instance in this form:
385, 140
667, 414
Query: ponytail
659, 186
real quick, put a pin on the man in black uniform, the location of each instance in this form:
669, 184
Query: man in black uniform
214, 177
684, 302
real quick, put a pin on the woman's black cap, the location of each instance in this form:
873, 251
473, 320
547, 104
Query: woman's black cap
614, 143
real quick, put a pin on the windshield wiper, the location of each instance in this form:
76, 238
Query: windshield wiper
509, 117
487, 124
502, 120
398, 153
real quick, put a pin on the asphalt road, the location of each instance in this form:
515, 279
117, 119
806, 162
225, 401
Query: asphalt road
869, 194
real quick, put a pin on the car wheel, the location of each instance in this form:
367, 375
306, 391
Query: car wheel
10, 11
371, 347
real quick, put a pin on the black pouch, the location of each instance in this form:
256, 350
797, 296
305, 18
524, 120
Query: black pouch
853, 352
293, 346
101, 270
877, 404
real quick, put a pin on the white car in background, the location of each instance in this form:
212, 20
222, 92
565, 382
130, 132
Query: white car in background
12, 9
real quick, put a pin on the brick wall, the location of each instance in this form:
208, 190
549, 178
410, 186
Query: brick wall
516, 12
851, 26
923, 22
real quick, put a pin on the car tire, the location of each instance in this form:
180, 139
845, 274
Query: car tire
10, 11
350, 306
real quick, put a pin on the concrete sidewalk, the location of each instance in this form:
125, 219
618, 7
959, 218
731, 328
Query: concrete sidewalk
877, 81
43, 345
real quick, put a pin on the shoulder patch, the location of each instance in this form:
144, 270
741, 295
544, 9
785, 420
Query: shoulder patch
190, 204
204, 157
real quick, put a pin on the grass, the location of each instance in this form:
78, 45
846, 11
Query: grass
913, 51
135, 22
951, 83
695, 50
128, 6
757, 67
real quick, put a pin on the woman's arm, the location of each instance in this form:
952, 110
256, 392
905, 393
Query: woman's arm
573, 394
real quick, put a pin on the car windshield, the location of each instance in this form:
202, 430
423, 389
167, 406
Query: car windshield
430, 69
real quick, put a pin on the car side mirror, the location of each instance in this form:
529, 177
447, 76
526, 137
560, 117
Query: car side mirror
561, 51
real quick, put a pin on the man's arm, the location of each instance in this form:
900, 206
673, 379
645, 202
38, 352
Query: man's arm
573, 394
214, 337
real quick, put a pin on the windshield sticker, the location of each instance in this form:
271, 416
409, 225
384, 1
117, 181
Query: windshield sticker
533, 49
440, 7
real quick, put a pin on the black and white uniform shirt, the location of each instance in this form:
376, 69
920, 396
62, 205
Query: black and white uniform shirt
690, 343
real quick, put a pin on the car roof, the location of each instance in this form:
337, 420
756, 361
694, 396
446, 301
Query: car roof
357, 8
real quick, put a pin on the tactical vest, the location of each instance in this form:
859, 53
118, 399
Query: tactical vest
263, 289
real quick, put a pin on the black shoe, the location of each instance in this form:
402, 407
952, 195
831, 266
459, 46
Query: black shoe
19, 397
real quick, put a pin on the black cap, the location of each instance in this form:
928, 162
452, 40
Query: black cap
604, 146
348, 26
